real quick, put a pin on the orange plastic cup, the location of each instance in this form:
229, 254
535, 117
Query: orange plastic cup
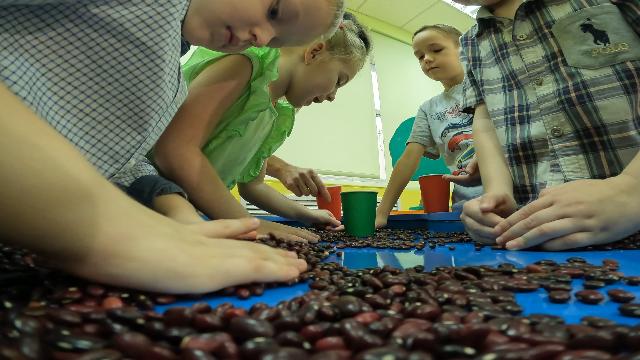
335, 205
435, 193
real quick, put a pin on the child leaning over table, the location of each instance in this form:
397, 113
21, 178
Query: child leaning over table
235, 118
555, 87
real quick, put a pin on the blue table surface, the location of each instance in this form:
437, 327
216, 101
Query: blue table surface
463, 255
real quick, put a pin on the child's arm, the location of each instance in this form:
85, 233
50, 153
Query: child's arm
471, 177
177, 208
267, 198
178, 152
481, 215
578, 213
56, 204
400, 177
298, 180
496, 177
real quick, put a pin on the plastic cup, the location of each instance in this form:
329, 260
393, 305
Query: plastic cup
335, 205
435, 192
359, 217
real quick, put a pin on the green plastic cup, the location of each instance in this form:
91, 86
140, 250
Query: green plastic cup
359, 212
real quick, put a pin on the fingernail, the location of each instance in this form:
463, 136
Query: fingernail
513, 245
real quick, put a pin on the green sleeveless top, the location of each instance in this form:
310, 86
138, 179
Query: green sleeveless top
252, 129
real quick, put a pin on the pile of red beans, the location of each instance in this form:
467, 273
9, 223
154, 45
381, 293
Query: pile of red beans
466, 312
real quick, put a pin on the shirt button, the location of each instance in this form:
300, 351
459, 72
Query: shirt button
539, 81
557, 131
522, 37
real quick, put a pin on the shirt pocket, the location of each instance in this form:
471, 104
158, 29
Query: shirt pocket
596, 37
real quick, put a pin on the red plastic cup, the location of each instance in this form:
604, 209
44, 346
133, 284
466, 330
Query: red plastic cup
435, 192
335, 205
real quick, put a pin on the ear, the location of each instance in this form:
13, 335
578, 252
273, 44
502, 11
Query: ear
314, 52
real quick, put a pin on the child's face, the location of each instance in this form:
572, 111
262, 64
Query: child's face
319, 77
438, 55
234, 25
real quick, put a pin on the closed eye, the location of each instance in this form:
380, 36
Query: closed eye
274, 11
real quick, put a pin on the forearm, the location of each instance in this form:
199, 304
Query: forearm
177, 208
267, 198
53, 201
494, 171
191, 170
276, 166
400, 177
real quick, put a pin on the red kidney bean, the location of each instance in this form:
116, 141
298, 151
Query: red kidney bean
591, 297
559, 297
620, 296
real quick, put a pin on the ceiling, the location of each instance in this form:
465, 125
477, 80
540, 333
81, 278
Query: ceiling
410, 15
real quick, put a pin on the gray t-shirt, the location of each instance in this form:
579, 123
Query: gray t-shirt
105, 74
444, 130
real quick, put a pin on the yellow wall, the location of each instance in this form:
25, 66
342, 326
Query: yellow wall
409, 198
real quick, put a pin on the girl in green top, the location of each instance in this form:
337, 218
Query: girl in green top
239, 110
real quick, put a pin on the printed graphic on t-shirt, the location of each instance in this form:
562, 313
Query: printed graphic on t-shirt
456, 134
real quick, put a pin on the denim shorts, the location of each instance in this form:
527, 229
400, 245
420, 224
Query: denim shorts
146, 188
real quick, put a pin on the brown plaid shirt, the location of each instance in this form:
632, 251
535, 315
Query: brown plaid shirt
561, 82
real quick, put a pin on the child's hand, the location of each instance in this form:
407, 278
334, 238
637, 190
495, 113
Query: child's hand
168, 257
323, 218
303, 182
482, 214
575, 214
285, 232
469, 177
243, 229
381, 220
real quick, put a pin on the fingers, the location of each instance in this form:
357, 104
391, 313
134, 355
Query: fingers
472, 166
248, 236
526, 220
575, 240
488, 203
267, 271
286, 236
305, 235
301, 187
481, 229
521, 215
464, 180
336, 229
329, 219
543, 233
310, 182
231, 229
322, 189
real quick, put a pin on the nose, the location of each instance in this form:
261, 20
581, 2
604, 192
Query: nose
261, 36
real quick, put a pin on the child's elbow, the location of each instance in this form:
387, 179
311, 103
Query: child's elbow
164, 160
244, 190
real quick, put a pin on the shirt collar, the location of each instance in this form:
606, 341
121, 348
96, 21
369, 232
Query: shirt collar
486, 19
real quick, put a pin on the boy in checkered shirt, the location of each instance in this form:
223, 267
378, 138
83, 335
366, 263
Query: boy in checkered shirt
554, 86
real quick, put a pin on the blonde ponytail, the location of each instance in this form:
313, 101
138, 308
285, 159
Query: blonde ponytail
351, 40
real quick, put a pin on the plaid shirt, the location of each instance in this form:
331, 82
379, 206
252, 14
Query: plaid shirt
561, 82
105, 74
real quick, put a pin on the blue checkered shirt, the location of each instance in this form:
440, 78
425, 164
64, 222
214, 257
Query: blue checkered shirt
105, 74
561, 82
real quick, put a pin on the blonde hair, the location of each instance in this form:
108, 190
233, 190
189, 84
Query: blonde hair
351, 41
337, 19
447, 30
